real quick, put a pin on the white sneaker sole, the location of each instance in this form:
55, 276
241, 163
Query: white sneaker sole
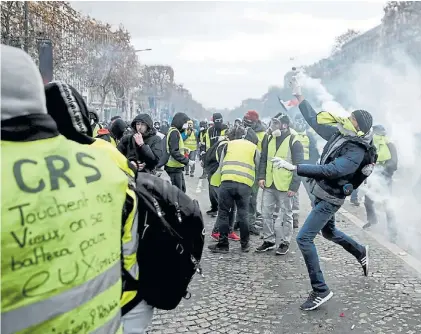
320, 302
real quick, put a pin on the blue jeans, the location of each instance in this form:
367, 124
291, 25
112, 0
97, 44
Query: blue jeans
322, 218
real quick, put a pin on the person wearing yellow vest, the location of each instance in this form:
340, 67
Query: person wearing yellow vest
238, 172
113, 133
251, 121
190, 141
61, 208
176, 151
386, 166
62, 114
307, 138
279, 186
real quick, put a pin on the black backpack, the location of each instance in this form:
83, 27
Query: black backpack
171, 239
210, 164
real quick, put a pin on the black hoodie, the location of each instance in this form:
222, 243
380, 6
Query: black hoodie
178, 121
150, 152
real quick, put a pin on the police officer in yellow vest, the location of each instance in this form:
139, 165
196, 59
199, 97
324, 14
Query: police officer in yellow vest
279, 186
62, 112
176, 150
190, 141
386, 166
238, 173
61, 217
311, 156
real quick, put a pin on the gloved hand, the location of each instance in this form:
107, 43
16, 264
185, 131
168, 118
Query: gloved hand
191, 163
295, 86
281, 163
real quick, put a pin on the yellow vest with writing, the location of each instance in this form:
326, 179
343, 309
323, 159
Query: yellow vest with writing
191, 141
61, 238
280, 176
171, 161
383, 150
238, 164
130, 223
215, 179
260, 136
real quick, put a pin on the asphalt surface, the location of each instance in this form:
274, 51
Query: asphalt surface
261, 293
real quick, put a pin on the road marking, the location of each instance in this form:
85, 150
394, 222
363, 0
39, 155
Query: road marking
199, 186
396, 250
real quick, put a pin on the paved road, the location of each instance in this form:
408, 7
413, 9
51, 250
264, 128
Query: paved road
261, 293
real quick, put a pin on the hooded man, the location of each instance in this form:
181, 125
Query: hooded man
347, 160
144, 147
61, 180
175, 148
113, 133
213, 133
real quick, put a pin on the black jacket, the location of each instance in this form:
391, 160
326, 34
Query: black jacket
178, 121
214, 132
150, 152
341, 162
297, 157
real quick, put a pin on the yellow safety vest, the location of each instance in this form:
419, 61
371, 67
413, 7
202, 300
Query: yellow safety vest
202, 136
215, 179
96, 128
171, 161
191, 142
260, 136
305, 141
60, 240
383, 150
208, 139
280, 176
238, 164
130, 223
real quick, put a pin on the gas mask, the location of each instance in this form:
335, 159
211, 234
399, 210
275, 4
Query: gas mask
300, 125
275, 127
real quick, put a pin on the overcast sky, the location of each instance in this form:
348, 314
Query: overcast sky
224, 52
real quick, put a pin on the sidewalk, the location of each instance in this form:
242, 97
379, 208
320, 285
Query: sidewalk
261, 293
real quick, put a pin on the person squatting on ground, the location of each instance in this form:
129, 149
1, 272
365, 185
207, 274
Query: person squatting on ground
191, 139
311, 156
239, 159
386, 166
46, 171
175, 148
143, 148
347, 160
279, 185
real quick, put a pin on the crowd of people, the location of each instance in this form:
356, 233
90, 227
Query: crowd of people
59, 162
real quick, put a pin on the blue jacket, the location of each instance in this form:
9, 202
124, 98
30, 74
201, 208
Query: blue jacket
341, 162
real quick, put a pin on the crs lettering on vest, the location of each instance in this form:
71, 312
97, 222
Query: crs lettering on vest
61, 220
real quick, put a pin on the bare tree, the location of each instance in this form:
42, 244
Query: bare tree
344, 38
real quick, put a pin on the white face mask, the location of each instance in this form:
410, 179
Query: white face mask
276, 133
185, 126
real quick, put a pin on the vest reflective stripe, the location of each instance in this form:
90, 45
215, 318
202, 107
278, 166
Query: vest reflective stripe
305, 141
61, 237
130, 226
27, 316
260, 136
238, 164
281, 177
383, 150
171, 161
191, 142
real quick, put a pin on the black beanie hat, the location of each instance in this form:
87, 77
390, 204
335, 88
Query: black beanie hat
68, 109
364, 120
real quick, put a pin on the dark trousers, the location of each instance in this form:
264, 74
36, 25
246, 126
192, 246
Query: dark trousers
322, 218
231, 219
253, 205
177, 179
231, 193
213, 196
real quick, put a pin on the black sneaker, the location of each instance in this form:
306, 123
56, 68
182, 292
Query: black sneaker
366, 226
191, 175
246, 248
254, 231
211, 212
218, 248
282, 249
295, 223
315, 299
266, 246
364, 261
